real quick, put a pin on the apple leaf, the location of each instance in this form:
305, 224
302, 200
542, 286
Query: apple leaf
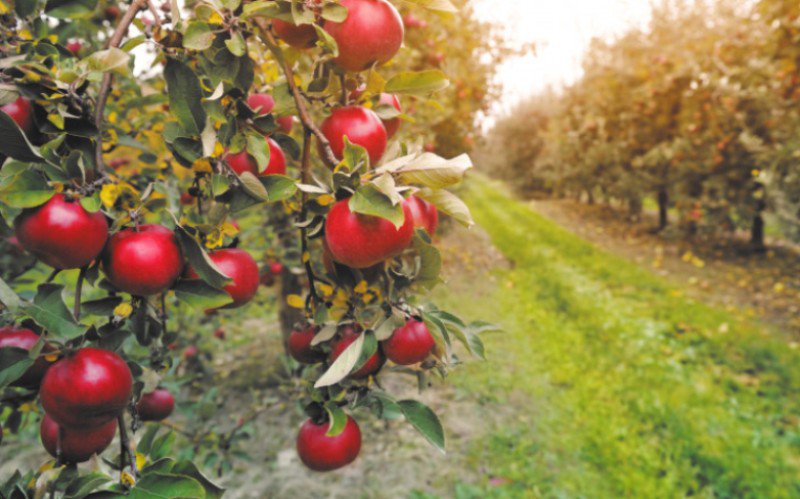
448, 203
49, 311
199, 294
13, 141
425, 421
200, 261
185, 96
417, 83
369, 200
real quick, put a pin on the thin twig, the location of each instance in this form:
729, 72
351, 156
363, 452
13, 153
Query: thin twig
327, 153
305, 173
76, 309
125, 446
156, 15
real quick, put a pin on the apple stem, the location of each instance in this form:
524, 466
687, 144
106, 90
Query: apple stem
76, 309
327, 157
53, 275
125, 446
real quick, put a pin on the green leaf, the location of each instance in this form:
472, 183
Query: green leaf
261, 8
334, 12
112, 59
85, 484
13, 364
258, 148
92, 204
188, 468
185, 96
438, 5
425, 421
369, 200
103, 307
198, 293
279, 187
27, 189
430, 170
337, 419
13, 141
448, 203
253, 186
199, 260
8, 297
430, 261
49, 311
198, 36
417, 83
236, 44
166, 486
344, 364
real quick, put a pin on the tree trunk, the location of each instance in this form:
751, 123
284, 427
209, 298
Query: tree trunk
590, 196
663, 207
757, 230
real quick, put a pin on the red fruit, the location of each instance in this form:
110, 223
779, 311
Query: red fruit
112, 12
430, 147
276, 268
361, 241
190, 352
261, 103
286, 123
393, 124
348, 335
361, 126
371, 33
303, 36
86, 389
300, 348
187, 199
21, 112
26, 339
156, 405
74, 46
242, 268
219, 333
144, 262
323, 453
243, 162
77, 445
409, 344
61, 233
410, 21
424, 214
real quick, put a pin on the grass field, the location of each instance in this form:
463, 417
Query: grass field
614, 384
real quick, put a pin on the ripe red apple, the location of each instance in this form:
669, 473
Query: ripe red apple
424, 214
391, 125
361, 126
410, 21
361, 241
276, 268
26, 339
219, 334
323, 453
143, 262
156, 405
21, 112
190, 352
186, 199
242, 268
286, 123
300, 348
61, 233
243, 162
302, 37
347, 335
74, 46
409, 344
371, 33
429, 147
77, 445
87, 388
262, 104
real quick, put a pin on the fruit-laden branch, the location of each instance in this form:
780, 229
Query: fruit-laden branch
327, 157
105, 86
125, 447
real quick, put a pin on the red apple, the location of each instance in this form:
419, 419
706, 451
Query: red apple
410, 21
156, 405
371, 33
86, 389
361, 126
74, 46
302, 37
300, 348
286, 123
186, 199
361, 241
190, 352
323, 453
347, 335
143, 262
111, 13
242, 268
77, 445
424, 214
26, 339
262, 104
393, 124
61, 233
21, 112
219, 334
409, 344
276, 268
243, 162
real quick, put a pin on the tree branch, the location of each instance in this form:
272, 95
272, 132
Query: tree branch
125, 446
76, 309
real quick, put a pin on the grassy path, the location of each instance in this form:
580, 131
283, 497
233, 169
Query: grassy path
616, 385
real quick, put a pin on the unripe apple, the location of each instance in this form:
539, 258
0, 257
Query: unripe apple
143, 262
371, 33
26, 339
347, 335
323, 453
424, 214
87, 388
243, 162
156, 405
361, 126
61, 233
361, 241
241, 268
409, 344
391, 125
302, 37
78, 445
299, 345
21, 112
262, 104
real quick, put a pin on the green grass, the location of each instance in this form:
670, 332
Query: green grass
613, 384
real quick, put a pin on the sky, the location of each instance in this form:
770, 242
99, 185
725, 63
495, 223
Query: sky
562, 30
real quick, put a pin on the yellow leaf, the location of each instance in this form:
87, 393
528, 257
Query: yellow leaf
109, 194
51, 357
202, 165
218, 150
306, 257
123, 310
779, 287
361, 288
141, 460
127, 479
325, 289
325, 200
295, 301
